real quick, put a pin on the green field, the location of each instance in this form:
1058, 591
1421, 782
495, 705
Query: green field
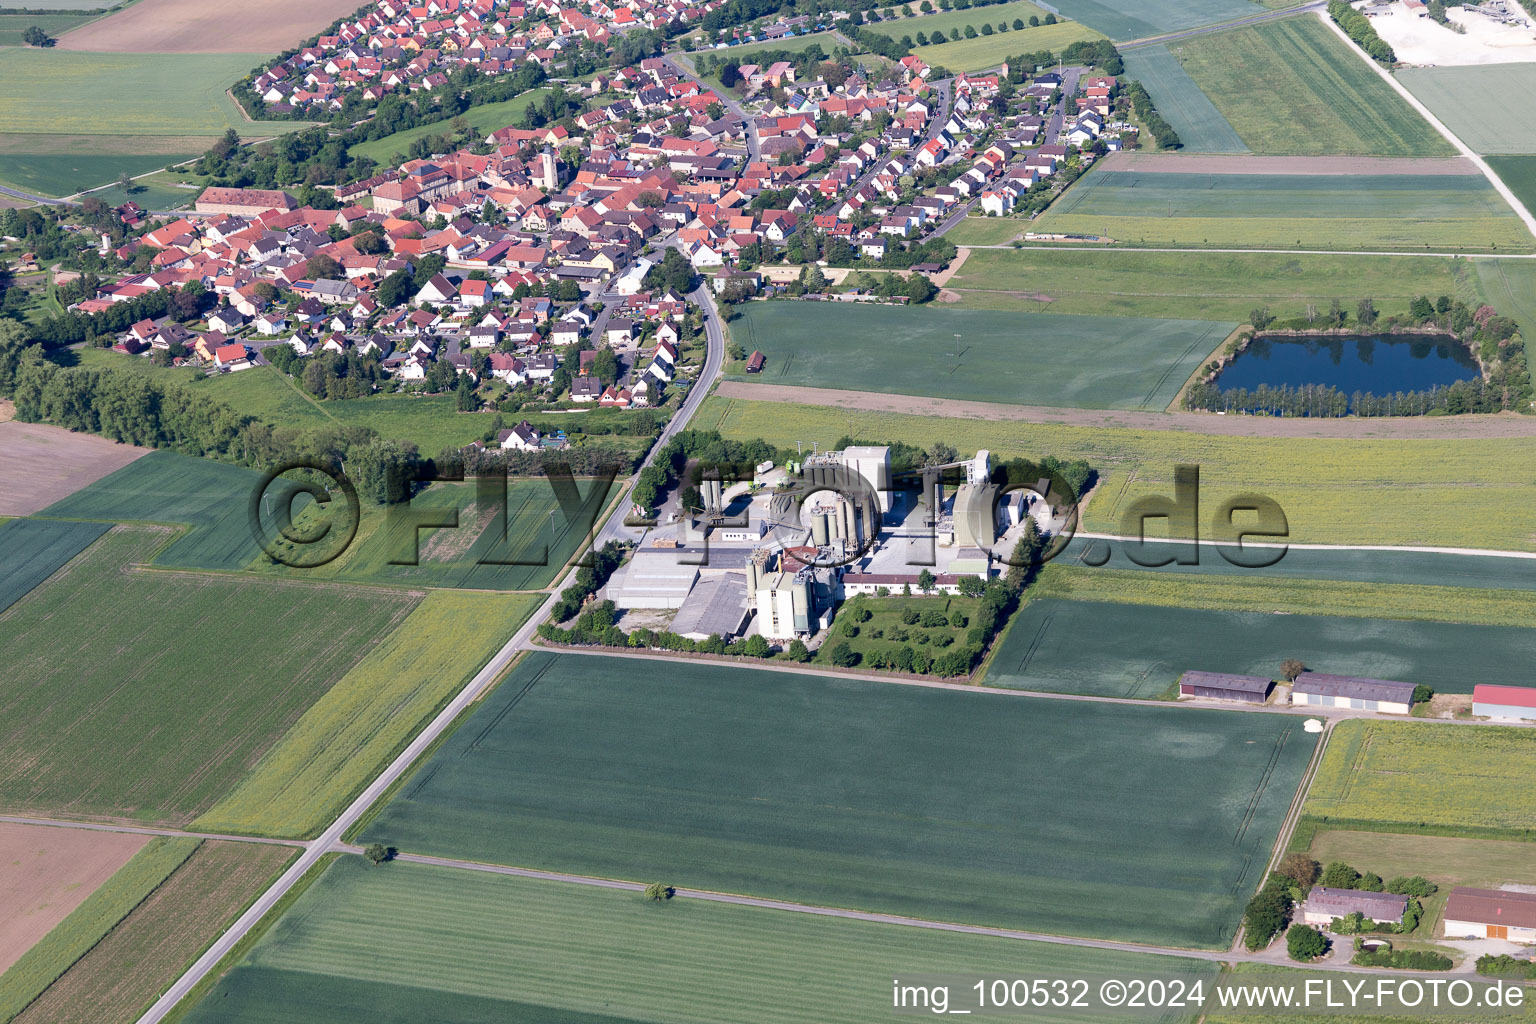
163, 487
1134, 19
1282, 211
143, 694
86, 925
985, 230
1018, 358
1462, 493
970, 807
1292, 87
1479, 572
13, 25
1200, 125
1457, 96
484, 119
52, 174
793, 44
1140, 650
418, 942
1255, 591
990, 51
1519, 173
540, 538
31, 550
58, 91
343, 740
949, 21
1418, 776
1510, 287
1215, 286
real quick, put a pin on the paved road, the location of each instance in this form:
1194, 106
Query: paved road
754, 146
1315, 5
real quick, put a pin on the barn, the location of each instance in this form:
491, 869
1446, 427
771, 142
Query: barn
1490, 914
1324, 904
1220, 686
1516, 702
1321, 689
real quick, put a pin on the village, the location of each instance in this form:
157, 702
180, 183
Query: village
512, 262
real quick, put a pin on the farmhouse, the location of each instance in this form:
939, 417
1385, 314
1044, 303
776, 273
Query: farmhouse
244, 202
1220, 686
1321, 689
1324, 904
1515, 702
1490, 914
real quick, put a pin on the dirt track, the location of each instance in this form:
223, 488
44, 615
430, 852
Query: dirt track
39, 465
207, 26
1402, 427
1131, 160
46, 872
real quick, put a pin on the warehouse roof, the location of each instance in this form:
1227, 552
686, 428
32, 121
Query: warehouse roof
718, 604
1491, 906
1355, 687
1378, 906
1514, 696
1225, 681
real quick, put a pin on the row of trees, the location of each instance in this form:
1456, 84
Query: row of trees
1146, 111
1359, 28
1314, 400
970, 31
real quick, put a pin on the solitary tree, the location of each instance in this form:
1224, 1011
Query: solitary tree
925, 581
35, 36
1290, 668
657, 892
378, 853
1301, 869
125, 182
1305, 943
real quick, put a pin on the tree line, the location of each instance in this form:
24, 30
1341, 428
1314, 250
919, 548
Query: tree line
1359, 28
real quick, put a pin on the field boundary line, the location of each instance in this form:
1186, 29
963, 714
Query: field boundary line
1439, 126
145, 830
1127, 247
1471, 552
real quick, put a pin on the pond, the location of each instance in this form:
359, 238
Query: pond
1376, 365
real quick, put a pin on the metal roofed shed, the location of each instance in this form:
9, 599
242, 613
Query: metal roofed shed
1490, 914
1512, 702
1223, 686
717, 605
653, 579
1324, 904
1322, 690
